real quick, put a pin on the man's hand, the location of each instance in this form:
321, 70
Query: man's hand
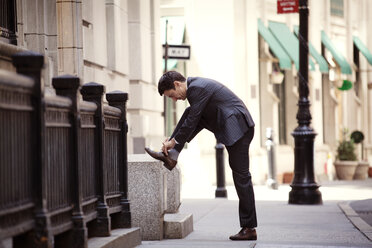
167, 145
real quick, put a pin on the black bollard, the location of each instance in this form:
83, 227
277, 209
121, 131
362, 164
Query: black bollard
220, 171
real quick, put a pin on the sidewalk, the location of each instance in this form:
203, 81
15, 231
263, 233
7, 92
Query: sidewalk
280, 224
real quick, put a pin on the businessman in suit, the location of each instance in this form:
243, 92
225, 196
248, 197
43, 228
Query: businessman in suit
214, 107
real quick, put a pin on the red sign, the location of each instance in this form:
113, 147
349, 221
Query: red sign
287, 6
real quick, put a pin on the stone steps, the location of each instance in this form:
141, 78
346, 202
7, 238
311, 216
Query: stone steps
120, 238
178, 225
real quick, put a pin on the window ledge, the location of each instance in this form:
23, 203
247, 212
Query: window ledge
7, 50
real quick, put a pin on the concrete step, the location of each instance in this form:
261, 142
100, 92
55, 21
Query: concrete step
178, 225
123, 238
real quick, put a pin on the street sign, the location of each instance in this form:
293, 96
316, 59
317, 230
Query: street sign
287, 6
177, 52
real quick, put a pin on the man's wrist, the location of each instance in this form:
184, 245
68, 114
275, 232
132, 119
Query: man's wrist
175, 141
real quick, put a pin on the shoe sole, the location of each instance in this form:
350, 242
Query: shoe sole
250, 239
164, 164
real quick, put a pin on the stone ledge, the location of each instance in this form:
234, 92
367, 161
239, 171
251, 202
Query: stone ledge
177, 226
147, 192
123, 238
173, 190
7, 50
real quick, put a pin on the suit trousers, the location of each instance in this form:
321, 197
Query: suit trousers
239, 163
179, 147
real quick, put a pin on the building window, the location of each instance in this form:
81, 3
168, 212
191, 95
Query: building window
337, 8
8, 21
279, 90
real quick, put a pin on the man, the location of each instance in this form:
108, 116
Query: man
214, 107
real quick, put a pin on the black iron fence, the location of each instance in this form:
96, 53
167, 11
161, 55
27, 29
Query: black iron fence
63, 171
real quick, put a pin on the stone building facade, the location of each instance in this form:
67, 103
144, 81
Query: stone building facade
112, 42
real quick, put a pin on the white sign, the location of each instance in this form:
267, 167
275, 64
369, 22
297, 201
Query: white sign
177, 52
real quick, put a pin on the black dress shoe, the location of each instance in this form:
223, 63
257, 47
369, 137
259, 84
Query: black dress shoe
245, 234
168, 162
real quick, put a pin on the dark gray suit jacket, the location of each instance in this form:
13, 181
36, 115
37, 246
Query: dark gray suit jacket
214, 107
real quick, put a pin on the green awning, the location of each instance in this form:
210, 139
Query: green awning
284, 60
341, 61
289, 42
323, 65
176, 31
363, 49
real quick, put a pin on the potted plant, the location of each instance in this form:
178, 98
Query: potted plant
346, 160
361, 171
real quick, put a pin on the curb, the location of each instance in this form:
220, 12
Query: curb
358, 222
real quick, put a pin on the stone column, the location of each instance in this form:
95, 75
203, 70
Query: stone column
69, 30
37, 32
316, 76
369, 77
252, 67
146, 107
117, 35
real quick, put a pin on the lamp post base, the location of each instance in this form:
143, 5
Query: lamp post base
305, 194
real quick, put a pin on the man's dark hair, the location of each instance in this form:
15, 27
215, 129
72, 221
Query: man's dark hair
166, 82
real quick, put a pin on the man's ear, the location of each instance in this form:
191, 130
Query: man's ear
177, 83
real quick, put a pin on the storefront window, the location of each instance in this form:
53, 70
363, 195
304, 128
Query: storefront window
337, 8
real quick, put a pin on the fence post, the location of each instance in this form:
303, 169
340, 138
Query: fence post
68, 86
93, 92
119, 99
30, 64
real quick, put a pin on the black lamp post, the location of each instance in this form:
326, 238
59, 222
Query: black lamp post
304, 188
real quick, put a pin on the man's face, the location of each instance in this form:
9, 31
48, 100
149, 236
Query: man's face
179, 93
